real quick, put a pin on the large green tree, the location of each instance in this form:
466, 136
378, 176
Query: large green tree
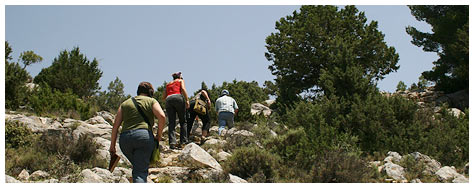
110, 100
317, 41
15, 80
72, 70
449, 38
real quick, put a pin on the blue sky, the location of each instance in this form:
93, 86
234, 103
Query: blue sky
207, 43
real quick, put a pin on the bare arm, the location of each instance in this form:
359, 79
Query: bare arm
208, 100
117, 123
158, 112
185, 93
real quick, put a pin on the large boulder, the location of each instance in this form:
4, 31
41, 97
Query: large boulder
214, 141
257, 108
35, 124
394, 171
195, 157
238, 137
431, 165
448, 173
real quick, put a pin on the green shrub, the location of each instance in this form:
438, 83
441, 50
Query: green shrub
56, 153
339, 166
252, 163
47, 101
17, 135
15, 90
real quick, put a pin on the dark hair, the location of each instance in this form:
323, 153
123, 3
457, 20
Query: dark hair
145, 88
208, 94
176, 75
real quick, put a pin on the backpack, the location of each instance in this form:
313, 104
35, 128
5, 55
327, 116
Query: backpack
200, 106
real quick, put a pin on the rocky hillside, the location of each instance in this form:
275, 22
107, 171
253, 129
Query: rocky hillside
194, 163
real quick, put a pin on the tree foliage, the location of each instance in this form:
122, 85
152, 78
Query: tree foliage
322, 39
244, 93
449, 38
72, 70
110, 100
15, 80
29, 57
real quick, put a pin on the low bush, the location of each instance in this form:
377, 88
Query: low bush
253, 164
46, 101
17, 135
56, 153
338, 166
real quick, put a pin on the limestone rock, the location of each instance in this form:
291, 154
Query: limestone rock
90, 177
222, 156
455, 112
210, 174
105, 174
416, 181
431, 165
446, 173
461, 179
97, 120
393, 157
236, 179
257, 108
109, 117
9, 179
213, 141
194, 156
38, 175
394, 171
24, 175
466, 168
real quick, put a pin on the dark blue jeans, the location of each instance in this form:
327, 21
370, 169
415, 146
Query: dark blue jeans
137, 145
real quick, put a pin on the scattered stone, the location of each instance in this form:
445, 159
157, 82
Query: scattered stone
416, 181
38, 175
24, 175
466, 169
9, 179
90, 177
236, 179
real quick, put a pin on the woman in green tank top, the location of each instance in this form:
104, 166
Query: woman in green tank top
136, 138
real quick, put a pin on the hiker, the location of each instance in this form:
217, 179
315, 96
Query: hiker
226, 107
136, 138
177, 101
203, 97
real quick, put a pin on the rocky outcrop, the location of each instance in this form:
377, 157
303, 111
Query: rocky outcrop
236, 179
257, 108
38, 175
396, 173
196, 157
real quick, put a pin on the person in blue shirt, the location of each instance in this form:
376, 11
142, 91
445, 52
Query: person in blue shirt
226, 108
